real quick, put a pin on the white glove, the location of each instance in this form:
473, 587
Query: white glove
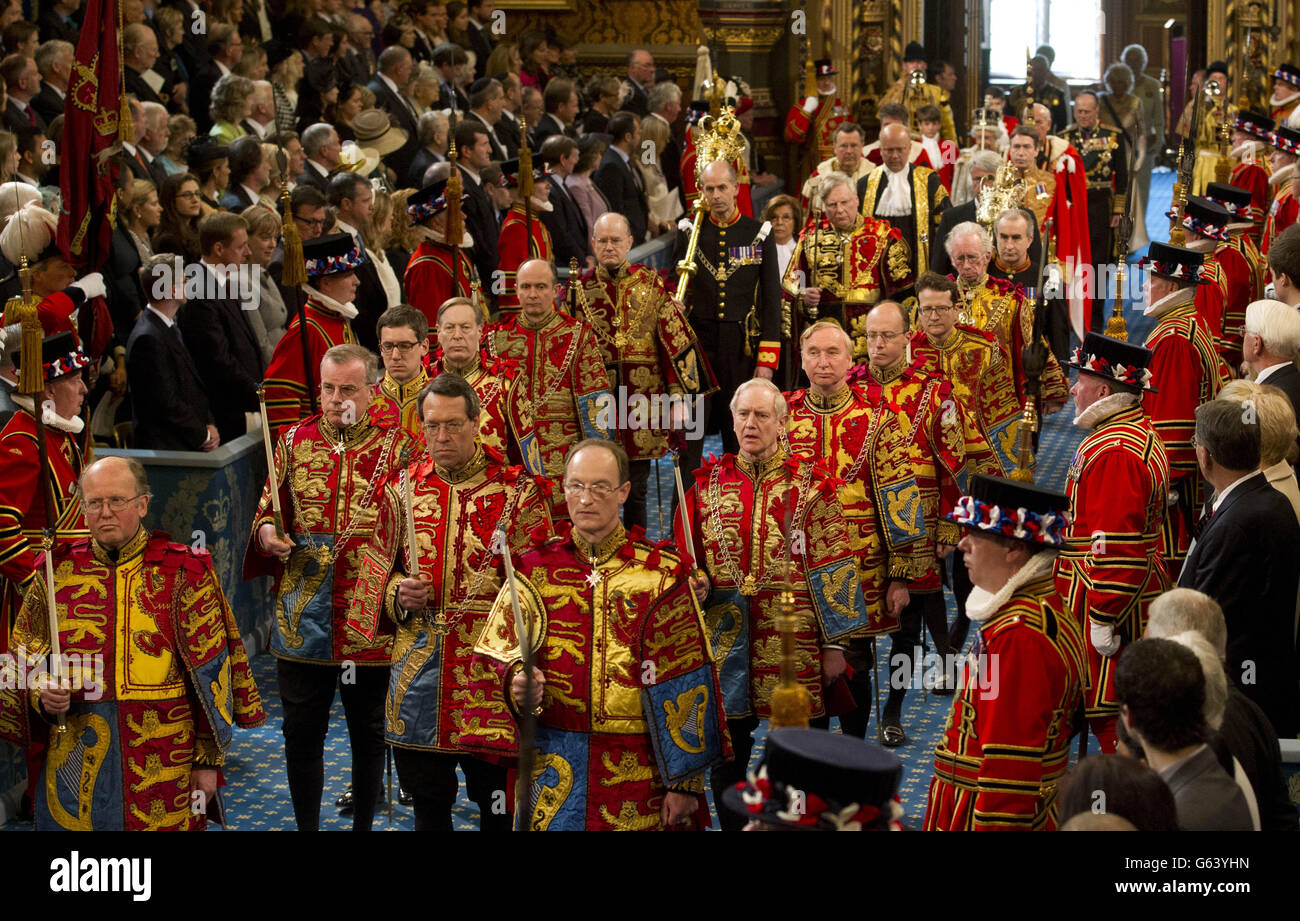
1103, 638
91, 285
810, 104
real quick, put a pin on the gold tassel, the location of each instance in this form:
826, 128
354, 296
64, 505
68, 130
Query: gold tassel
454, 233
294, 271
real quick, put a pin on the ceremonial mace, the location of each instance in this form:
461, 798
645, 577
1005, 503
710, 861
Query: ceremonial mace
1033, 358
791, 704
31, 382
272, 476
1115, 326
527, 715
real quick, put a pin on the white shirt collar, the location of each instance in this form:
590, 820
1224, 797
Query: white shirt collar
225, 71
1223, 493
320, 168
390, 84
18, 102
346, 311
622, 153
252, 196
1268, 372
167, 321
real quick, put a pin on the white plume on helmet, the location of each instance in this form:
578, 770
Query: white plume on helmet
27, 233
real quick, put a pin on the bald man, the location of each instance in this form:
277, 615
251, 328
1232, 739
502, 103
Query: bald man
910, 198
650, 352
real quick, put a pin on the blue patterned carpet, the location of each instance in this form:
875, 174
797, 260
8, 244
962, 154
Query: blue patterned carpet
257, 795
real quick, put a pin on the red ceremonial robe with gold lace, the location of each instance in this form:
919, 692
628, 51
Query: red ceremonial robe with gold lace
649, 351
816, 132
1238, 278
555, 398
979, 370
287, 399
515, 247
489, 377
1110, 570
1282, 213
631, 707
1187, 371
1253, 178
159, 676
457, 514
996, 305
428, 281
1006, 742
399, 404
738, 513
22, 518
330, 483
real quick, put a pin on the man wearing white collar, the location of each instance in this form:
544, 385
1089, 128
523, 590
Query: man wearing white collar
1270, 344
1227, 276
22, 501
1185, 370
1002, 755
1286, 92
1285, 207
1110, 569
331, 262
910, 197
1250, 150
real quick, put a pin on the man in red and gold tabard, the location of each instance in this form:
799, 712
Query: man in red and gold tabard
623, 687
329, 471
1284, 207
1110, 569
1251, 140
332, 262
750, 514
999, 306
811, 124
843, 265
522, 238
460, 335
462, 494
428, 279
22, 502
555, 397
1006, 743
403, 345
650, 352
1243, 227
929, 433
1186, 371
979, 370
155, 676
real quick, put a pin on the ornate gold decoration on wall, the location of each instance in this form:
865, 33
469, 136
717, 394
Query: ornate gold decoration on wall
614, 22
537, 5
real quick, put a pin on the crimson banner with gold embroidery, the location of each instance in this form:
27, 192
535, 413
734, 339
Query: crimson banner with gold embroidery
89, 129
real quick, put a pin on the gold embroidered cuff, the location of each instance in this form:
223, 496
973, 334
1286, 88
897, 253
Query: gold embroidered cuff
947, 533
769, 354
206, 751
900, 568
1121, 203
691, 786
390, 598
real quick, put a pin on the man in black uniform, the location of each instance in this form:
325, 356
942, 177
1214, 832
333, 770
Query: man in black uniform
733, 302
1037, 90
1105, 153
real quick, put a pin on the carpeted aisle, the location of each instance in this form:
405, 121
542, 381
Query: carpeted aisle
257, 794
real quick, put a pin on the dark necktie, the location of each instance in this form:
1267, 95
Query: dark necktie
31, 116
177, 330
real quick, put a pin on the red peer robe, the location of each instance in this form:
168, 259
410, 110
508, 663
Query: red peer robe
514, 248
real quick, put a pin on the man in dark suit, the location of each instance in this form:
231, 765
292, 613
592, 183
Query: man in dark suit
224, 49
168, 404
432, 124
447, 60
570, 234
665, 105
560, 103
480, 34
475, 153
321, 150
507, 129
353, 200
1245, 734
640, 77
140, 53
249, 171
1160, 685
218, 335
61, 20
619, 180
486, 101
23, 82
1269, 346
1247, 558
54, 61
394, 74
